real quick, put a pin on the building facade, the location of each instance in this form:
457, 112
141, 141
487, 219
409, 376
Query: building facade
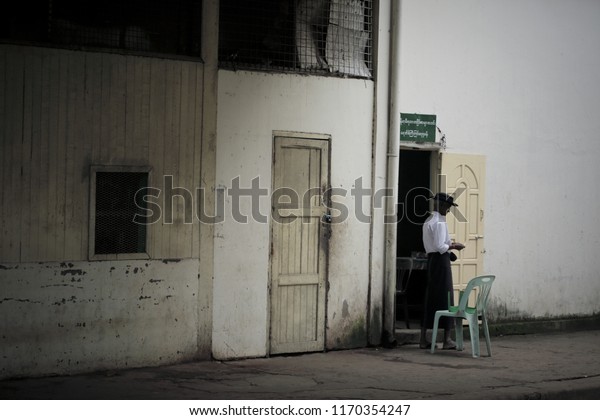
217, 180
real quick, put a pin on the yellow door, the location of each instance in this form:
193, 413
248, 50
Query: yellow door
463, 176
299, 244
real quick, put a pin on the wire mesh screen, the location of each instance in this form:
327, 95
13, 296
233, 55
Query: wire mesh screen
155, 26
116, 207
314, 36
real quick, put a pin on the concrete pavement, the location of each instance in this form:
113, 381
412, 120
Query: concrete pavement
532, 366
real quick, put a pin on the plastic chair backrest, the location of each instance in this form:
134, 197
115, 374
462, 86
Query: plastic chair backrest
404, 268
483, 284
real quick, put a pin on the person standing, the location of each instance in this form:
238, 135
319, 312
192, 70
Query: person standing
439, 293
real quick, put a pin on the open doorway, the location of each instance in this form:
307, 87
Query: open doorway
413, 209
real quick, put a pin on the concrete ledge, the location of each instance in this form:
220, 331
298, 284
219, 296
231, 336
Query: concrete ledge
536, 326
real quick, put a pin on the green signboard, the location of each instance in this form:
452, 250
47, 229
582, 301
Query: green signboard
417, 127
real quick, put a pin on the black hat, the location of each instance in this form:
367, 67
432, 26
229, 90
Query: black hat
445, 198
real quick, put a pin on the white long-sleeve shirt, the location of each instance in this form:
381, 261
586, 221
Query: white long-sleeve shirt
435, 234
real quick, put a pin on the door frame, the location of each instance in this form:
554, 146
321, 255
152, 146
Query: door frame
435, 171
326, 197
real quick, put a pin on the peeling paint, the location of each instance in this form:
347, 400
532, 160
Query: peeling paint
89, 302
64, 301
61, 285
19, 300
72, 272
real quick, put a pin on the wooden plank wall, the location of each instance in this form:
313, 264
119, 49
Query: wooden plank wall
62, 111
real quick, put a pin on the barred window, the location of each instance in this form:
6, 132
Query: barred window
312, 36
152, 26
114, 206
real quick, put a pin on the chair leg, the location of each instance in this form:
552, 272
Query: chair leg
474, 331
486, 332
436, 321
459, 334
405, 304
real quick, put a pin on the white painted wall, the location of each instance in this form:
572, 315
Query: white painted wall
70, 317
518, 81
250, 107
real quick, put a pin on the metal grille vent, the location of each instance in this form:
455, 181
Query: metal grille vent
312, 36
115, 231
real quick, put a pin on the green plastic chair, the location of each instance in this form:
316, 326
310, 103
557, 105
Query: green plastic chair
482, 285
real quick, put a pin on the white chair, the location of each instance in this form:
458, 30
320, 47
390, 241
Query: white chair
482, 286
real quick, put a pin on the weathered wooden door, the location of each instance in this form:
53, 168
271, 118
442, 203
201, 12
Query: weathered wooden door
464, 177
299, 244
